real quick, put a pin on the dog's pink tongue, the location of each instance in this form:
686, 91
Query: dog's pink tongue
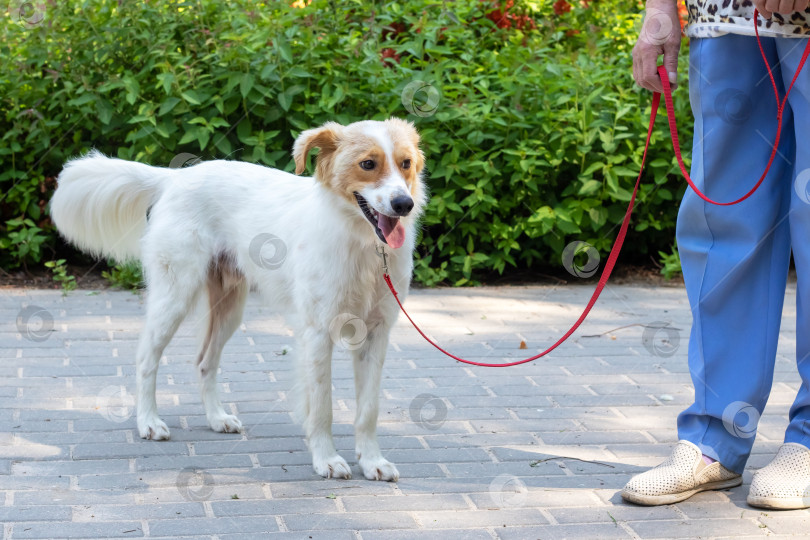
392, 230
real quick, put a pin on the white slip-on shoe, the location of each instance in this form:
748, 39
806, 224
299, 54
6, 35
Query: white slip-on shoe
683, 474
783, 484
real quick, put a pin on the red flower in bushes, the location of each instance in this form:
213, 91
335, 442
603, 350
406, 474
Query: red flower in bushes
524, 22
389, 53
393, 30
499, 18
561, 6
500, 15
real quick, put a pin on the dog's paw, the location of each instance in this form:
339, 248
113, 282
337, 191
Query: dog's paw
154, 429
379, 469
225, 423
332, 467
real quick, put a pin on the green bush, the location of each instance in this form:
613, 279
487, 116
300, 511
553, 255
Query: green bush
535, 140
128, 275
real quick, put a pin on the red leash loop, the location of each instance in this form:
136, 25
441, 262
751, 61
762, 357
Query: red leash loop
603, 279
780, 107
617, 245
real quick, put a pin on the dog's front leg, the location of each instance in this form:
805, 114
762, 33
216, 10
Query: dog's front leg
317, 359
368, 362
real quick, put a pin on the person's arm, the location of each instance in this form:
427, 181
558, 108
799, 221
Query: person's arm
783, 7
660, 34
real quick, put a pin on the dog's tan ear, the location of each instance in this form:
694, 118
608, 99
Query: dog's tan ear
325, 138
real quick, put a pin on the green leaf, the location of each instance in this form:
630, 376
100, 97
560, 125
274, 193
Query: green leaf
105, 111
191, 96
203, 137
245, 84
187, 137
168, 105
299, 73
589, 187
82, 99
285, 51
166, 80
285, 101
244, 130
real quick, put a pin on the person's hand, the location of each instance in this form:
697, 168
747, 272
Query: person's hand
767, 8
660, 34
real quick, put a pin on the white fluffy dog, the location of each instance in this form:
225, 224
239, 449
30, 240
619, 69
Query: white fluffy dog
307, 245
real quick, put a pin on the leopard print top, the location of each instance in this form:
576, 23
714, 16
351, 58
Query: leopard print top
712, 18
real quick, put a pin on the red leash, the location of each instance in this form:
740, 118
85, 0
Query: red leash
780, 107
619, 242
603, 279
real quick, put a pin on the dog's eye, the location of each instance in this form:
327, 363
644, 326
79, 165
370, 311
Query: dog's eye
406, 164
367, 164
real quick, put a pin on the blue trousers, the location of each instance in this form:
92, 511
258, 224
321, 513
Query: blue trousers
736, 258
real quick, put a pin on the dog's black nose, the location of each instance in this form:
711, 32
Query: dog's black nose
402, 205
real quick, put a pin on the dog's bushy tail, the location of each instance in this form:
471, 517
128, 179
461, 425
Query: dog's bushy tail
100, 204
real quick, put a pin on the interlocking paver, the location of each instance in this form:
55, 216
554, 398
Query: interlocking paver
212, 526
120, 512
309, 535
786, 522
559, 532
535, 451
345, 520
21, 512
68, 529
698, 528
444, 534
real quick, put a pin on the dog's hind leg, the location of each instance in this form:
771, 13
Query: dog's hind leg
227, 292
315, 354
169, 298
368, 363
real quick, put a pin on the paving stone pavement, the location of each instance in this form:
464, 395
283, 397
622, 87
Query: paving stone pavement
534, 451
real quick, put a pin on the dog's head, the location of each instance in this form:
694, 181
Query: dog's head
374, 166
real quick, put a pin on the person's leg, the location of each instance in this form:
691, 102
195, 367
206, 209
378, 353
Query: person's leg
785, 482
790, 52
734, 258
